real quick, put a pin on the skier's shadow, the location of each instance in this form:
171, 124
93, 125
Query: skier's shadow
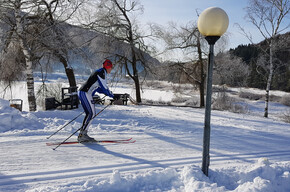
102, 148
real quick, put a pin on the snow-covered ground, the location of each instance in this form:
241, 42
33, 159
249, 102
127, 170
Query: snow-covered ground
248, 152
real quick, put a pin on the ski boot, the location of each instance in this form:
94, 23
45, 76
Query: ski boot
83, 137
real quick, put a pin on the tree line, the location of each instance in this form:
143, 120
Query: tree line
36, 33
264, 65
254, 58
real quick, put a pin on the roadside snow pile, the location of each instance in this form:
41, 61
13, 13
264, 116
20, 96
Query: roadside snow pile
262, 176
12, 119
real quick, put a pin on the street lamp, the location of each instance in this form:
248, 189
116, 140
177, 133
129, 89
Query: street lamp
212, 23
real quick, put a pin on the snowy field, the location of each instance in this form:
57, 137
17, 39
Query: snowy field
248, 152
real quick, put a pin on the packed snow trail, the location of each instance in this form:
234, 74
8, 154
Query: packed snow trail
166, 155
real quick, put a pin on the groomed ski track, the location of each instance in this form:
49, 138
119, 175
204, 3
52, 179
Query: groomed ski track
166, 137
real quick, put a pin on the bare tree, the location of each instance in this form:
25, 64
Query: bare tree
34, 26
117, 19
268, 16
188, 39
57, 45
48, 31
18, 15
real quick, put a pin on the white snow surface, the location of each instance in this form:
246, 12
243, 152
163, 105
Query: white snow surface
247, 152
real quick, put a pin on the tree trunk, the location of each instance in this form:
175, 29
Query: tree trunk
135, 75
70, 76
269, 81
135, 78
138, 93
28, 60
68, 70
134, 66
201, 93
30, 86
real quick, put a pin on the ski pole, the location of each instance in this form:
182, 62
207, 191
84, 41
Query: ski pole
80, 128
68, 123
66, 139
65, 125
101, 111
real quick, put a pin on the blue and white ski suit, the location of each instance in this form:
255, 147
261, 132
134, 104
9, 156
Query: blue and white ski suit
97, 82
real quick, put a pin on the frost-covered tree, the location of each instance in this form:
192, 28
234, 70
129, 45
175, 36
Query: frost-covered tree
269, 18
34, 27
230, 70
17, 40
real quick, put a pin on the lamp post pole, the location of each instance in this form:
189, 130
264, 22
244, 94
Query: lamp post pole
206, 135
212, 23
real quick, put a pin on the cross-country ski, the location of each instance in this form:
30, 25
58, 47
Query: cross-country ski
121, 141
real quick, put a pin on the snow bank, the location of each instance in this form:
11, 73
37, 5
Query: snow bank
262, 176
152, 180
12, 119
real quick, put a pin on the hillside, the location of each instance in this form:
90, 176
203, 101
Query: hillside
250, 54
92, 47
86, 51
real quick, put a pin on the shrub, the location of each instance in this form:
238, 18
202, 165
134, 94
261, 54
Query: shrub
224, 102
286, 116
286, 100
48, 90
179, 100
250, 96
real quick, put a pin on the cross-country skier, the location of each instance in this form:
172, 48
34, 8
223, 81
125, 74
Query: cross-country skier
97, 82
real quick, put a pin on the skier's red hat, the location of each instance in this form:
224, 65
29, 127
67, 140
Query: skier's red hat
107, 64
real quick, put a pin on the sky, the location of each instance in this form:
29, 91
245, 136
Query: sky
184, 11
